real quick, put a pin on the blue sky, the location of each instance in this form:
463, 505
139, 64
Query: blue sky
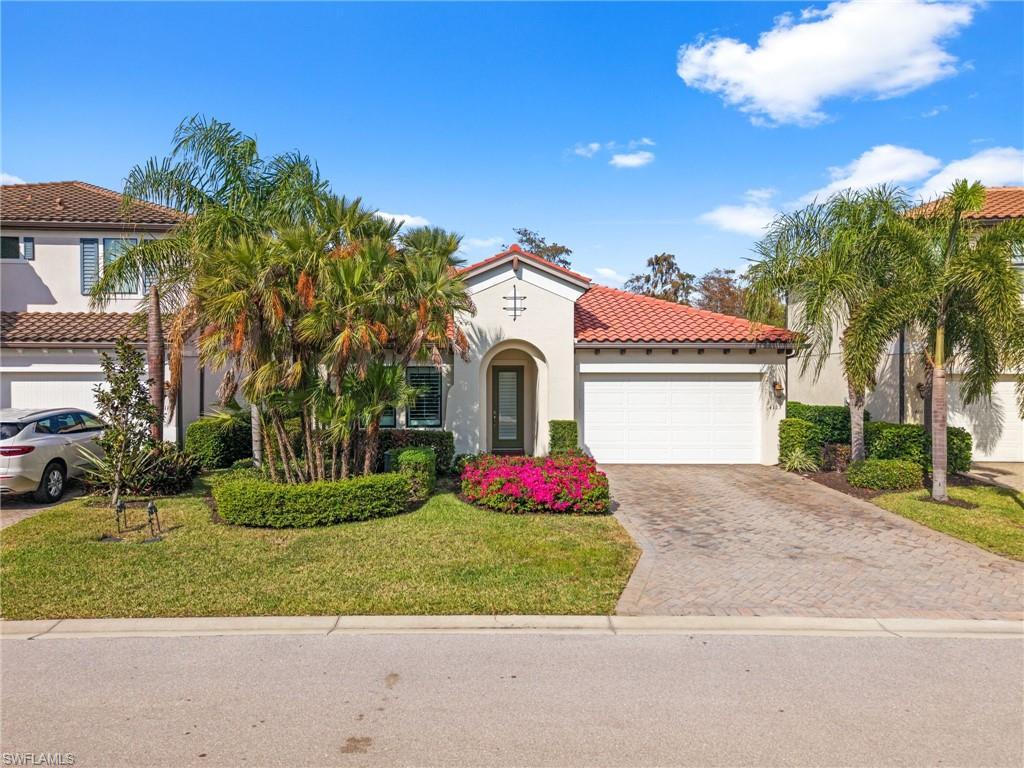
619, 130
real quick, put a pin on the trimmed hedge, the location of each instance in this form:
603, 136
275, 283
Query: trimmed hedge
885, 474
419, 466
800, 434
442, 441
884, 440
564, 435
832, 420
217, 443
262, 503
835, 457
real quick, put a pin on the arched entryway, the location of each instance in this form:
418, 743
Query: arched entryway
514, 414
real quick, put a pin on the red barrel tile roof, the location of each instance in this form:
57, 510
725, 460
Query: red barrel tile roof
70, 327
75, 202
613, 316
1000, 203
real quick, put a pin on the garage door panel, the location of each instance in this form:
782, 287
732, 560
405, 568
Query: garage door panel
995, 425
66, 390
663, 418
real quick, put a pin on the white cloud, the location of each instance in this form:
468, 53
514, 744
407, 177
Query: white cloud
405, 219
854, 48
587, 150
641, 142
750, 219
7, 178
998, 166
476, 243
611, 275
632, 159
760, 194
885, 163
935, 111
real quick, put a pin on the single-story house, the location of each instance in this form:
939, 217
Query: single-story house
648, 381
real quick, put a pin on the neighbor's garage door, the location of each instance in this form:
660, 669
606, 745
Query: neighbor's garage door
50, 390
672, 418
995, 424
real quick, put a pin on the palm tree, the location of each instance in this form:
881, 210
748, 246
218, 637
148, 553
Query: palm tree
828, 260
381, 387
215, 175
956, 285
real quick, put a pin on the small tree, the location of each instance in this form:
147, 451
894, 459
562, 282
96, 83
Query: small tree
539, 246
125, 409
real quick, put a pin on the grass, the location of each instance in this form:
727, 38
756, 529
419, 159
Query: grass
445, 558
996, 524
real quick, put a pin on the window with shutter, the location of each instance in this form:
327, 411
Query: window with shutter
9, 247
28, 248
426, 411
112, 247
90, 263
387, 419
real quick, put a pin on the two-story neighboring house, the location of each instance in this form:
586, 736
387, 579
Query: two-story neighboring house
995, 425
56, 238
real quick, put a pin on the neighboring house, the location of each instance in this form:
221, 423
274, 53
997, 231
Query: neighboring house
648, 381
56, 237
995, 425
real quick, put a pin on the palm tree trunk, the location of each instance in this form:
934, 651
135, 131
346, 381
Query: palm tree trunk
271, 458
856, 425
370, 457
257, 435
287, 450
346, 452
155, 363
939, 457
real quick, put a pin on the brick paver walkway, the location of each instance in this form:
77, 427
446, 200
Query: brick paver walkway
756, 541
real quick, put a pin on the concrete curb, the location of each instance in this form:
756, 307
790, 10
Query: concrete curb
56, 629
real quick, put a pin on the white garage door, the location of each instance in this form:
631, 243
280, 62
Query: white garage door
995, 425
672, 418
50, 390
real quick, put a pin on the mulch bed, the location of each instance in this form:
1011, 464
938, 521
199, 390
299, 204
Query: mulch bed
838, 482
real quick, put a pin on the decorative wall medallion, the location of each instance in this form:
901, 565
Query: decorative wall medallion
516, 308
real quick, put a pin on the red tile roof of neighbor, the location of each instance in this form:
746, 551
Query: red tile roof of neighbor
70, 327
612, 316
1000, 203
63, 203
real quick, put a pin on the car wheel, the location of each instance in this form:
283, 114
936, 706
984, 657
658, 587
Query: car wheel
51, 487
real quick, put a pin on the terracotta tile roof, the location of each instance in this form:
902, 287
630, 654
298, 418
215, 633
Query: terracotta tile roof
515, 250
75, 202
609, 315
70, 327
1000, 203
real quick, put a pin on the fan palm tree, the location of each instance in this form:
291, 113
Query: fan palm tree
956, 285
217, 178
381, 387
828, 260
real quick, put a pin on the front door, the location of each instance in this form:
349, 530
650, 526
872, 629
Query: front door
507, 409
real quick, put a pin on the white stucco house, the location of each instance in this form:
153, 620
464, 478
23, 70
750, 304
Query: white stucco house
995, 424
648, 381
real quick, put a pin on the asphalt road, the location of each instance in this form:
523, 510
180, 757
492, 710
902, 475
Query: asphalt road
553, 700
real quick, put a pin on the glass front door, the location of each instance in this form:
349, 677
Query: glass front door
507, 408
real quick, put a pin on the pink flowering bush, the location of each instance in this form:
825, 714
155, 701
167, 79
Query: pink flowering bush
566, 484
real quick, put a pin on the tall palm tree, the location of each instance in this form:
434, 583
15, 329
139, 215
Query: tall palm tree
956, 285
381, 387
215, 175
828, 260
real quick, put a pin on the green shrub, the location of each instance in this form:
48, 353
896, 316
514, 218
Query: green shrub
245, 463
419, 466
564, 436
217, 443
885, 474
442, 441
832, 420
884, 440
261, 503
799, 434
162, 470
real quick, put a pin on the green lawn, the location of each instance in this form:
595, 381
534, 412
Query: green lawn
445, 558
997, 524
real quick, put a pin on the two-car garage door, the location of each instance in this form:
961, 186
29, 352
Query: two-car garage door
50, 390
672, 418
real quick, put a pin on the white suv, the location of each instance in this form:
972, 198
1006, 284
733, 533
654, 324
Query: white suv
39, 450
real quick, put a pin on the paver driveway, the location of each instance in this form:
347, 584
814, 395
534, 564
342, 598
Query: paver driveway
756, 541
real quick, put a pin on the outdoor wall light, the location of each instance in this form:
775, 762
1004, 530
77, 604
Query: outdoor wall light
778, 389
